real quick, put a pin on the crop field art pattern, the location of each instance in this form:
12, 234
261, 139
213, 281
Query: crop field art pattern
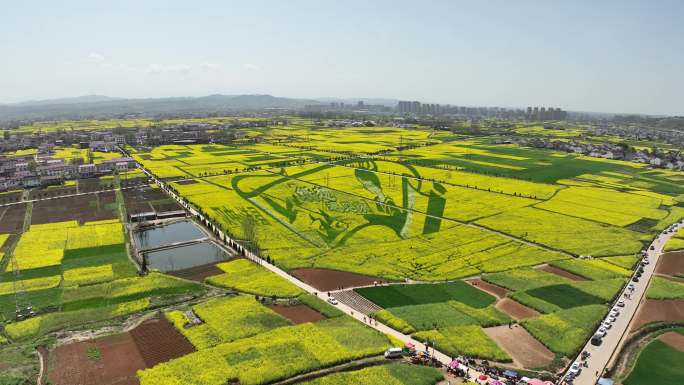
459, 241
432, 212
441, 209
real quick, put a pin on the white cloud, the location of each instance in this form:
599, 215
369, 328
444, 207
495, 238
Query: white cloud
95, 57
172, 68
119, 67
250, 66
209, 66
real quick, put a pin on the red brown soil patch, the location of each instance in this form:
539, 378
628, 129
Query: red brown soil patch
492, 289
119, 360
90, 185
659, 310
159, 341
673, 339
148, 199
327, 280
121, 355
298, 314
562, 273
13, 219
198, 273
671, 263
521, 346
4, 366
11, 197
82, 208
52, 192
515, 309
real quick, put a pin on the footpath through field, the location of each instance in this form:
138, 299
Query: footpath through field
600, 355
604, 355
441, 357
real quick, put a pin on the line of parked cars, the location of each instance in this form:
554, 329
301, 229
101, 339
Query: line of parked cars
596, 340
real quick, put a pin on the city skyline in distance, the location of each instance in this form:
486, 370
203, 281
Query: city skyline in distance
392, 103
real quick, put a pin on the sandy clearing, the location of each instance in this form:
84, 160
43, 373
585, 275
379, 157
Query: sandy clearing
525, 350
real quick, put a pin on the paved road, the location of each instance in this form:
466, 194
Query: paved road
599, 355
441, 357
604, 354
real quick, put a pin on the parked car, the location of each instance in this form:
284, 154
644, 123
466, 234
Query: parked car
621, 303
601, 332
615, 310
332, 301
606, 325
394, 353
596, 340
575, 369
611, 319
635, 279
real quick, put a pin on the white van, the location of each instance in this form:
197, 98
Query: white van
394, 353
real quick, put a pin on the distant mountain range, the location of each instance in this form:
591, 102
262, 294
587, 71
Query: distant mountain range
98, 106
74, 100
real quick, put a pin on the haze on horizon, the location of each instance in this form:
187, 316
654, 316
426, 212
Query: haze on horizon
609, 56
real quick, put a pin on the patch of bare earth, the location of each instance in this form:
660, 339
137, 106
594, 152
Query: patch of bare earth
118, 362
13, 219
120, 356
674, 339
659, 310
671, 263
562, 273
497, 291
327, 280
515, 309
525, 350
83, 208
298, 314
198, 273
158, 341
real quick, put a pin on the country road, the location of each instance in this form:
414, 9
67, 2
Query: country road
604, 355
600, 355
441, 357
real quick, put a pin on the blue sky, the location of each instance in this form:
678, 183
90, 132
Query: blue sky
613, 56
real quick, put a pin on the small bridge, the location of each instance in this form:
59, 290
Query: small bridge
174, 245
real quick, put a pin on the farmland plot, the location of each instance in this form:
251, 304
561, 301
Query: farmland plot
303, 225
603, 205
561, 232
270, 356
392, 374
226, 320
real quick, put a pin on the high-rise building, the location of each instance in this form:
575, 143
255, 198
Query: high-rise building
542, 114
